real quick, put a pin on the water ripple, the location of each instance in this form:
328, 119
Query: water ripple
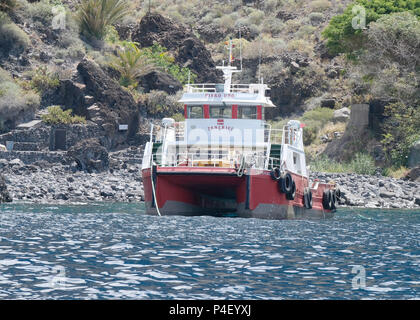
114, 251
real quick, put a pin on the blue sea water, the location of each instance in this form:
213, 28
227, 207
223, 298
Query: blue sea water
115, 251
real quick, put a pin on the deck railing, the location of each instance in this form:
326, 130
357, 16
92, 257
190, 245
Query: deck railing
220, 88
213, 160
218, 157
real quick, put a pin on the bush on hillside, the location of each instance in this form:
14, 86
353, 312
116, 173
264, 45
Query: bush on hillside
56, 115
43, 80
401, 130
362, 163
162, 59
15, 103
343, 38
159, 104
131, 63
13, 40
7, 5
95, 16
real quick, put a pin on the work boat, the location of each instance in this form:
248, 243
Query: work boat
225, 159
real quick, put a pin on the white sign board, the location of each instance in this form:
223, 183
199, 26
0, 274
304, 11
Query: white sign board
237, 132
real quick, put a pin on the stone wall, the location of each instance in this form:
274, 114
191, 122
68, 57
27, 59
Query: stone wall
30, 157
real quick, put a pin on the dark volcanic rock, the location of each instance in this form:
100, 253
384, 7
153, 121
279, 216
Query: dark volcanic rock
286, 15
90, 155
117, 106
72, 96
210, 33
414, 174
4, 194
157, 80
187, 49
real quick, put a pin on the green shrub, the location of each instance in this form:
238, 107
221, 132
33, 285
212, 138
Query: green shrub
13, 40
321, 115
56, 115
316, 18
160, 104
361, 164
43, 80
95, 16
132, 64
401, 130
14, 100
40, 13
162, 59
7, 5
320, 5
343, 38
310, 133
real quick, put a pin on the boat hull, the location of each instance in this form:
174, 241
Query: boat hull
193, 191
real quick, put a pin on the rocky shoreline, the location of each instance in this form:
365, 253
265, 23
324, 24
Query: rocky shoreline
63, 183
43, 182
373, 191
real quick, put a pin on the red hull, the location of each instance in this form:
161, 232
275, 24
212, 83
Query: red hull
217, 191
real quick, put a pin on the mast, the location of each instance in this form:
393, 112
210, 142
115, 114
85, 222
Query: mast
228, 70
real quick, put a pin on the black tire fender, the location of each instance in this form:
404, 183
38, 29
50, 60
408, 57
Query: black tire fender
333, 199
286, 183
291, 195
275, 173
307, 198
326, 200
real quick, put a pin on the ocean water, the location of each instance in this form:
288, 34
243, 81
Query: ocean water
115, 251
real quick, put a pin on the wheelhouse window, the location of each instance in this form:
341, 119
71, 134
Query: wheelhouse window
247, 112
220, 112
195, 112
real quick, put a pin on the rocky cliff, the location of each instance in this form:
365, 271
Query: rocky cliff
4, 194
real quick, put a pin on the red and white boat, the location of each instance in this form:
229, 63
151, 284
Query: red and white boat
225, 159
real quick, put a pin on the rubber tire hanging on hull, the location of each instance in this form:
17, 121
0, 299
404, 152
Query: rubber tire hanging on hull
333, 200
326, 199
291, 195
286, 183
275, 173
307, 198
329, 200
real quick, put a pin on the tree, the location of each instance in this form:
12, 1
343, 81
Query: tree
345, 34
131, 63
390, 62
95, 16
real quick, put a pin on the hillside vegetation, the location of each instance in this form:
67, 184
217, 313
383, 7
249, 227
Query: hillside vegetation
317, 56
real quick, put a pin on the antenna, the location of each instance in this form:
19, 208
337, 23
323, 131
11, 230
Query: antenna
240, 47
259, 62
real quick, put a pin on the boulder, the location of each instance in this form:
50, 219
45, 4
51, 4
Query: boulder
186, 48
414, 174
414, 155
4, 194
157, 80
72, 95
417, 200
328, 103
341, 115
117, 106
344, 148
90, 155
